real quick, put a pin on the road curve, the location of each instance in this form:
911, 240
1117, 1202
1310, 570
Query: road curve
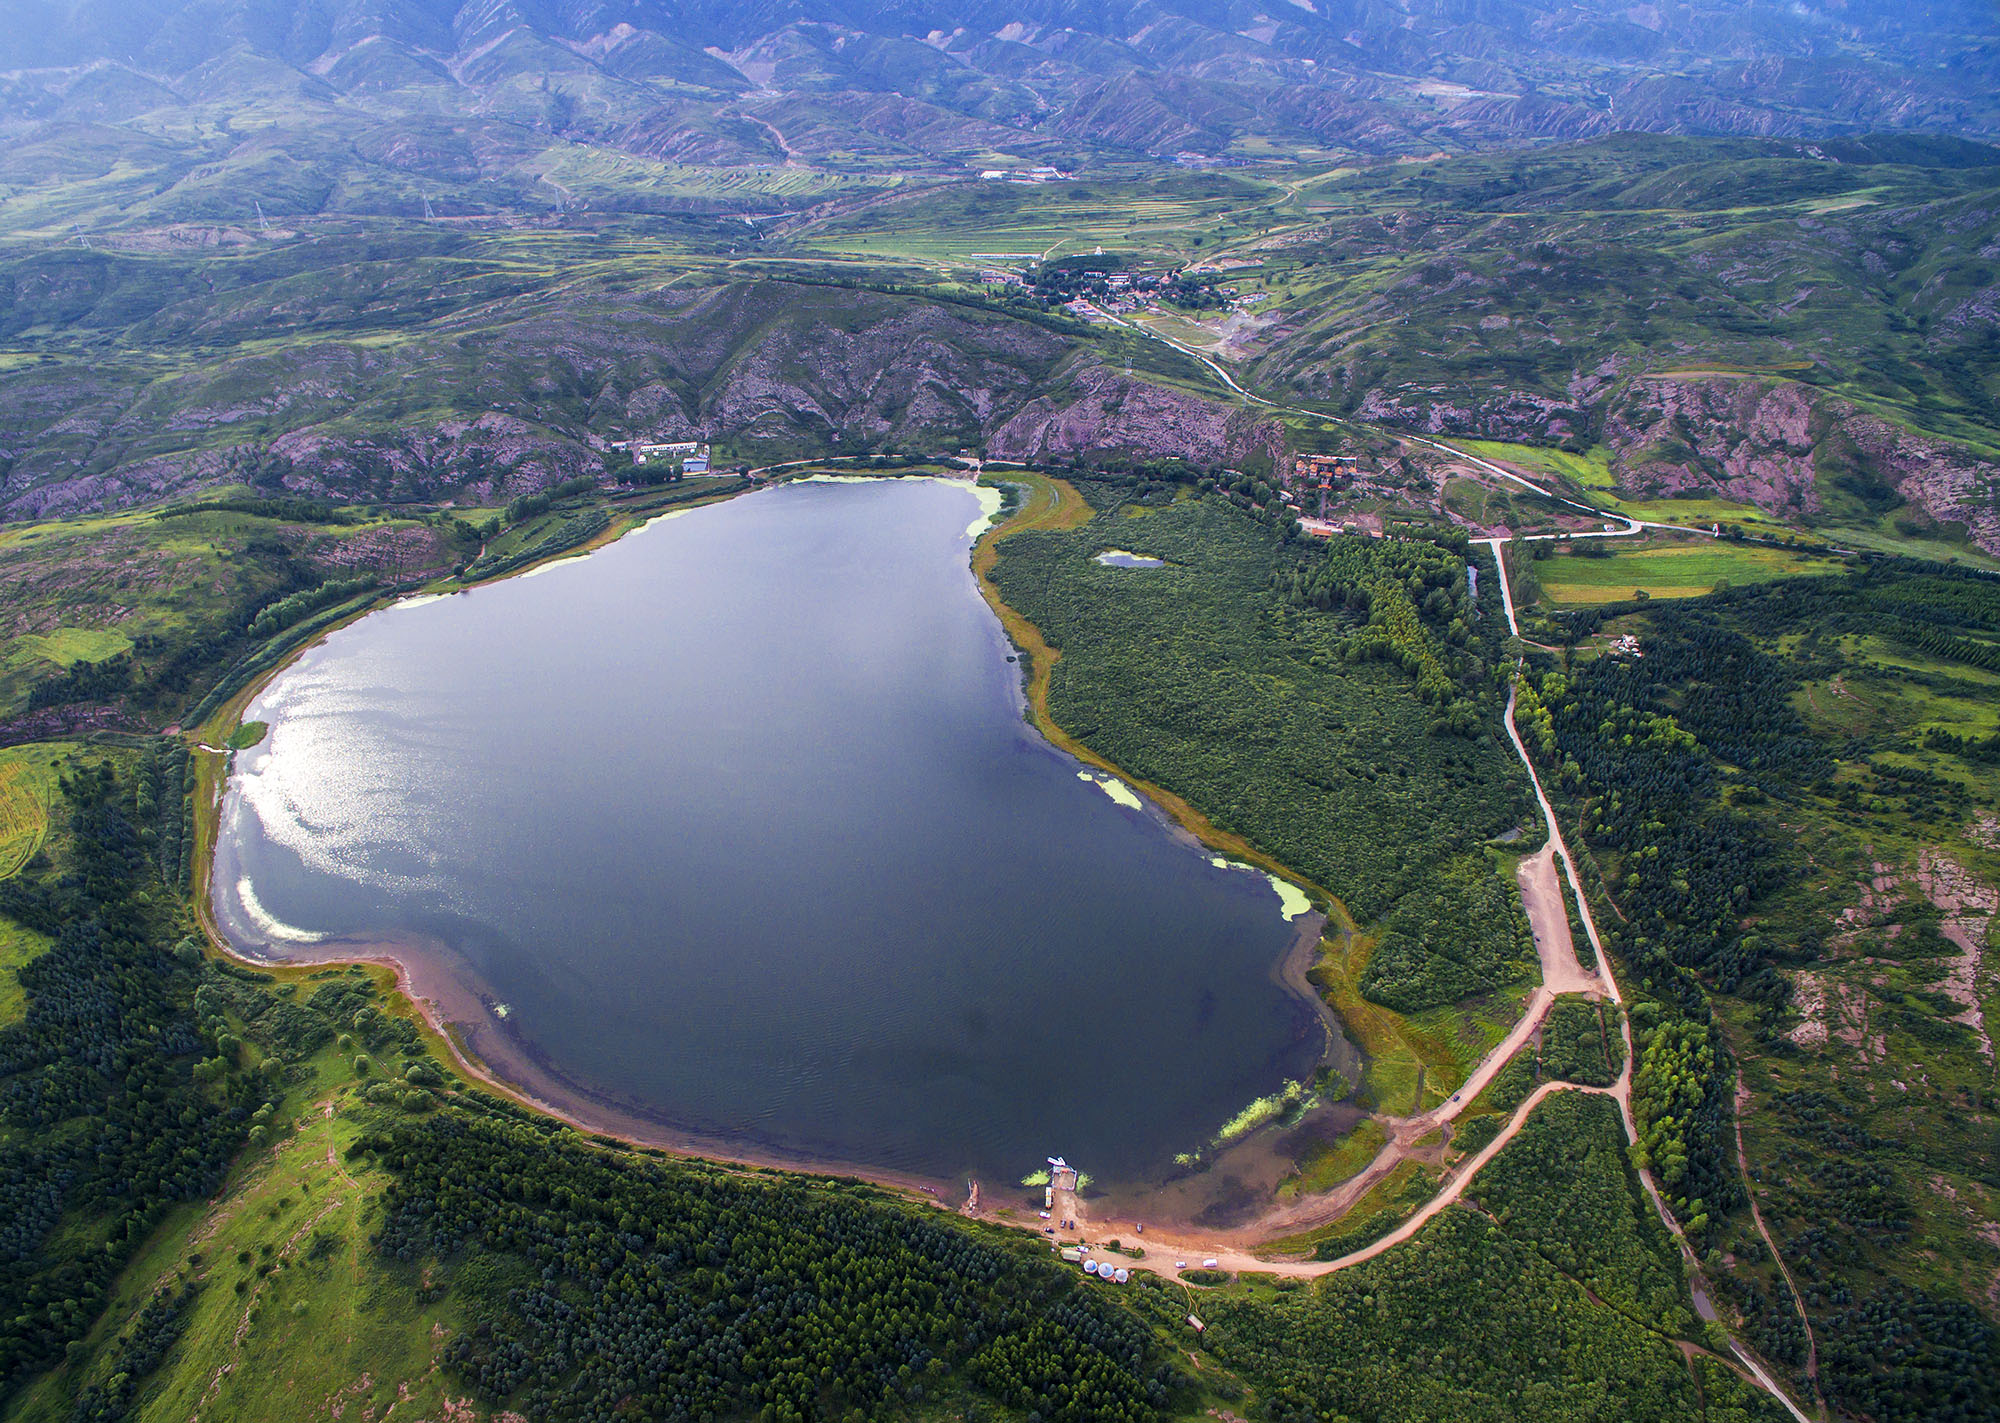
1620, 1091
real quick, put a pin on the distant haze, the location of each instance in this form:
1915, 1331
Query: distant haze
441, 99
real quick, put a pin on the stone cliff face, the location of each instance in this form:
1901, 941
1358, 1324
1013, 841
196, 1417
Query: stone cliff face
1738, 438
1790, 449
1110, 412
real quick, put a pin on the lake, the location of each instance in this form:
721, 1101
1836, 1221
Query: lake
733, 833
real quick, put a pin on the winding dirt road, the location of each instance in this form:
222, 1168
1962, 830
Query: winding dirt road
1562, 972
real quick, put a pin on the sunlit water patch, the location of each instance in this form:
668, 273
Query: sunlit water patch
1119, 558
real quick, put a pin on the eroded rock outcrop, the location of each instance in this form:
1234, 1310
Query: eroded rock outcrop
1788, 448
1106, 411
1777, 444
777, 370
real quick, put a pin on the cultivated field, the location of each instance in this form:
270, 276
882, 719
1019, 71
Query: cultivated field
1668, 570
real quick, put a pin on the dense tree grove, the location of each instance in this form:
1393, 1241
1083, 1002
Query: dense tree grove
276, 616
1207, 678
1905, 1356
1581, 1042
110, 1121
290, 510
647, 1289
1417, 599
161, 798
1458, 934
576, 530
1469, 1322
140, 1350
1563, 1186
1643, 744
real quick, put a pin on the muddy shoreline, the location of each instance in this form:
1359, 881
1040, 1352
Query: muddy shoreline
461, 1011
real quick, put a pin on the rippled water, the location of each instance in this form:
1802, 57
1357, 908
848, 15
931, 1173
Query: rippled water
739, 820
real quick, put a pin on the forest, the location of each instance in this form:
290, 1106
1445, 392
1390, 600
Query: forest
1460, 933
1210, 679
1469, 1321
674, 1291
1771, 753
110, 1120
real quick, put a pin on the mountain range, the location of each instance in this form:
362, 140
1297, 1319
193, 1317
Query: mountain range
174, 110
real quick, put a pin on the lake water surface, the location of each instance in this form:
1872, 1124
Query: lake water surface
735, 828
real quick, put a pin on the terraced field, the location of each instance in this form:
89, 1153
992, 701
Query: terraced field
27, 789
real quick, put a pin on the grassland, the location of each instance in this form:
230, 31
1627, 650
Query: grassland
296, 1315
29, 795
84, 592
17, 946
1161, 219
1328, 1166
1667, 570
27, 792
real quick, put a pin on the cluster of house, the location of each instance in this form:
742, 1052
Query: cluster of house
1312, 478
692, 454
1023, 175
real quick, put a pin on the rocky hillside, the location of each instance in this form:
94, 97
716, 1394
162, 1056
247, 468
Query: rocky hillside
517, 389
1815, 327
1790, 449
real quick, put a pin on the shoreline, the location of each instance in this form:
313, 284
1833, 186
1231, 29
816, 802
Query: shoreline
427, 987
454, 1014
1040, 659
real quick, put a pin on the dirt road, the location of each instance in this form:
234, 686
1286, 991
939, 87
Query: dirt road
1548, 916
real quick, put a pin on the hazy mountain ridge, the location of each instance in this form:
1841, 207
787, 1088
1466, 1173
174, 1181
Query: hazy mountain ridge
593, 104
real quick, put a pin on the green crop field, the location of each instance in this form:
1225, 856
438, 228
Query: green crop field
1696, 513
1669, 570
953, 224
1592, 469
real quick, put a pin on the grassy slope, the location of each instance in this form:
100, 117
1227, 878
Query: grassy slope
298, 1316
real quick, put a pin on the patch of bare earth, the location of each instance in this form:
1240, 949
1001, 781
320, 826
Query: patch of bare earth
1967, 907
1829, 1010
